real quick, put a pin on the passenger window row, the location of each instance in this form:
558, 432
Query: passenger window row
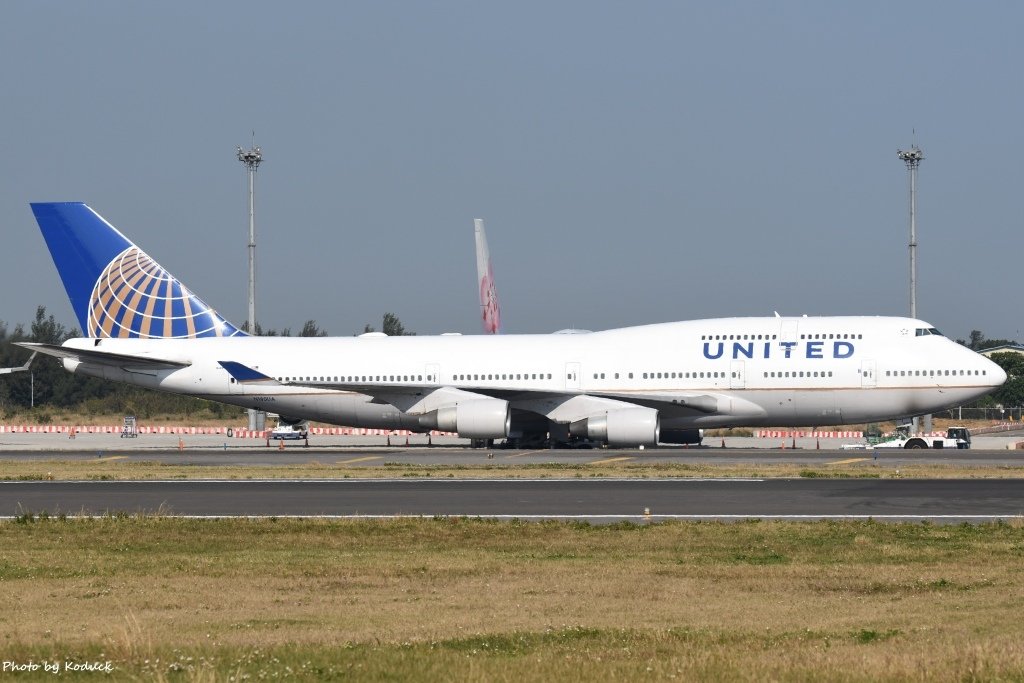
357, 379
503, 376
933, 373
831, 335
737, 337
683, 375
799, 373
756, 337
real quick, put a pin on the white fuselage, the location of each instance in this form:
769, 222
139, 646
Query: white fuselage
742, 371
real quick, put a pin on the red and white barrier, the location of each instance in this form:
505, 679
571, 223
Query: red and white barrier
778, 434
230, 432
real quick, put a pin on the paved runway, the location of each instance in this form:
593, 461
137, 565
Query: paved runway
417, 444
972, 500
375, 456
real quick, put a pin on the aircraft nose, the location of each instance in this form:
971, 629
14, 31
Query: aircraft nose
997, 374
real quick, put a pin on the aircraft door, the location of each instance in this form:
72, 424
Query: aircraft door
867, 374
736, 380
233, 386
572, 376
433, 373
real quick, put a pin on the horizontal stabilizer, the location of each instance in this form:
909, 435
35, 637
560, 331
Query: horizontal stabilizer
20, 368
97, 357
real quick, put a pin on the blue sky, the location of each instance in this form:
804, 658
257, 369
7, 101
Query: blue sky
634, 162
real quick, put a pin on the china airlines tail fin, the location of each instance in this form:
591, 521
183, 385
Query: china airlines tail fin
490, 312
115, 289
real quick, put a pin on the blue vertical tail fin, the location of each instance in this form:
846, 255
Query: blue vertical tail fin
116, 289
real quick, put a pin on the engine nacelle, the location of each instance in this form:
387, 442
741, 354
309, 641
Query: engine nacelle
623, 427
682, 436
486, 418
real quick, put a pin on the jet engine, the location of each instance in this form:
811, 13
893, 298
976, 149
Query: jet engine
486, 418
623, 427
297, 422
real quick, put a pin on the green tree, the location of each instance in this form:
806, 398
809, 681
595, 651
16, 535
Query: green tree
978, 342
311, 329
47, 383
1011, 393
46, 329
392, 327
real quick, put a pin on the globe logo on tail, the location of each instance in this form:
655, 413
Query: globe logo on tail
135, 297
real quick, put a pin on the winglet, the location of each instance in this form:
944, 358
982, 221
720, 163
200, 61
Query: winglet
115, 289
490, 311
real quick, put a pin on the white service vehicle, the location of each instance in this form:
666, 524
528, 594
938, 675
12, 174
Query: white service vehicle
286, 431
956, 437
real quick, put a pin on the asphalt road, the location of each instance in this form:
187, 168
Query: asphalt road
946, 500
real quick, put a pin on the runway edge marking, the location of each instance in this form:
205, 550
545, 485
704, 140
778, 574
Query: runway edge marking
680, 517
393, 480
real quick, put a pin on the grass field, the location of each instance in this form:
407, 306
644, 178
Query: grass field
114, 468
456, 599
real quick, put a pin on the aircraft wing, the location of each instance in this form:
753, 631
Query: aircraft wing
124, 361
20, 368
702, 403
556, 405
405, 397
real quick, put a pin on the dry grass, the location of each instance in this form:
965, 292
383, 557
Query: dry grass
110, 467
479, 600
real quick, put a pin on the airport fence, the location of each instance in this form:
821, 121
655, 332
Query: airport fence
988, 414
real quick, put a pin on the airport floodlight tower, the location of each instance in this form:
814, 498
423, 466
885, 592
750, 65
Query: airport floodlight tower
913, 159
251, 158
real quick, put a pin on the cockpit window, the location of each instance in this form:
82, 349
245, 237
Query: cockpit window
925, 331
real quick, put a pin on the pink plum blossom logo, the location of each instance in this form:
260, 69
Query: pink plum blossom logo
489, 302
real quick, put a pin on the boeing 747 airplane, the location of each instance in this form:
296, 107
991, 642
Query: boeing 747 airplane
624, 387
